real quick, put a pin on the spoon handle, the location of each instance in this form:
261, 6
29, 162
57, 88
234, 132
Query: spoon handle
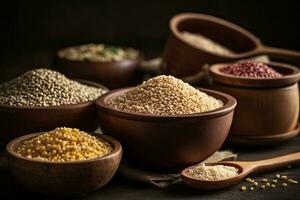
277, 162
283, 54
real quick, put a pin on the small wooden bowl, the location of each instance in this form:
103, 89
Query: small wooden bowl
182, 59
113, 74
167, 143
267, 109
291, 75
19, 120
63, 178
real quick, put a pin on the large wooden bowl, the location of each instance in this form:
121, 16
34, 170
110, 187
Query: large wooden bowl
20, 120
267, 110
182, 59
114, 74
167, 143
63, 178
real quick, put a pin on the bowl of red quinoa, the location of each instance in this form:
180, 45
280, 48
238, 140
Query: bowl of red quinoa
268, 100
255, 74
166, 128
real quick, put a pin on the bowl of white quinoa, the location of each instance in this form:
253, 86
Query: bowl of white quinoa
43, 99
112, 66
166, 124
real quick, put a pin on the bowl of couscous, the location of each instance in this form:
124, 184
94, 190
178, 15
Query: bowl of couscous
166, 124
64, 161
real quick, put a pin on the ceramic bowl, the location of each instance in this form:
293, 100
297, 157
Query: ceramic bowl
19, 120
267, 110
63, 178
167, 143
114, 74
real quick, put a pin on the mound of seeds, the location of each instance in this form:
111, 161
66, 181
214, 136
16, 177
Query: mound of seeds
97, 53
212, 173
44, 87
165, 95
251, 69
64, 144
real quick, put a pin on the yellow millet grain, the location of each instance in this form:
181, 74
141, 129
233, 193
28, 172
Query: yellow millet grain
165, 95
64, 144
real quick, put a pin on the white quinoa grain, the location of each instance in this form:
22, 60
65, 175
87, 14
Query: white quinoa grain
44, 87
165, 95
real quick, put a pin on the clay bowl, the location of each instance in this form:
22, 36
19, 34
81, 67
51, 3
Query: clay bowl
63, 178
167, 143
114, 74
267, 110
19, 120
184, 59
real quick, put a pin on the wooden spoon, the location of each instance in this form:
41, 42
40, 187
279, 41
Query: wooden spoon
244, 169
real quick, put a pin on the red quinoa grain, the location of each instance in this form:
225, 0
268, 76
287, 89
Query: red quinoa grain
251, 69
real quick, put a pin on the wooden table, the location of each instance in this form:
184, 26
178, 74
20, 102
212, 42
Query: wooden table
120, 188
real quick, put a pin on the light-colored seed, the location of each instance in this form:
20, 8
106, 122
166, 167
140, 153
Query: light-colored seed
283, 177
268, 184
249, 180
278, 176
262, 186
283, 184
292, 181
251, 188
243, 188
255, 183
274, 180
264, 180
273, 185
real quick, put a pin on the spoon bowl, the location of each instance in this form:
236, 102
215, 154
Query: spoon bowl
244, 169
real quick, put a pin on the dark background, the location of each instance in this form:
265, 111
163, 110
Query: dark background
33, 30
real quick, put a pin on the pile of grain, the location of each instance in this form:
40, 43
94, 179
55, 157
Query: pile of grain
64, 144
212, 173
165, 95
251, 69
97, 53
205, 43
44, 87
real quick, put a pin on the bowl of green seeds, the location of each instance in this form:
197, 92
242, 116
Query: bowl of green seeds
106, 64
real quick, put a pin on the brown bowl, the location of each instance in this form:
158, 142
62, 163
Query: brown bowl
114, 74
167, 143
63, 178
267, 108
183, 59
19, 120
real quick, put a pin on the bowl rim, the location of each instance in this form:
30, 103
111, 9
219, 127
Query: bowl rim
117, 149
228, 106
138, 58
66, 106
228, 79
175, 20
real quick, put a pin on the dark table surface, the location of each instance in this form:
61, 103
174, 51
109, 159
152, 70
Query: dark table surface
120, 188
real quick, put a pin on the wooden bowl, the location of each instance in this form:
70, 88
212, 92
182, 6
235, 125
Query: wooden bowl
167, 143
267, 109
184, 59
114, 74
63, 178
20, 120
